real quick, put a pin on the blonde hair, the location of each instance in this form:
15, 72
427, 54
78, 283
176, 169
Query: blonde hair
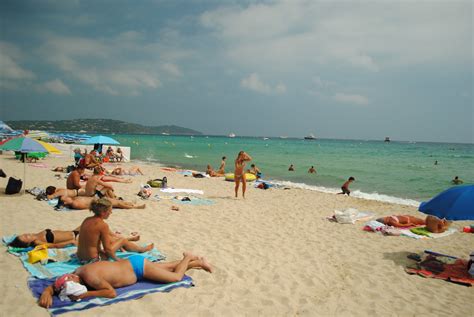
100, 205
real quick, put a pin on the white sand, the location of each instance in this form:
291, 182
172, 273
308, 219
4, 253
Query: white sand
274, 253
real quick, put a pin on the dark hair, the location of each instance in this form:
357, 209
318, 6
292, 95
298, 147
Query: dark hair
252, 165
352, 178
17, 243
50, 190
224, 157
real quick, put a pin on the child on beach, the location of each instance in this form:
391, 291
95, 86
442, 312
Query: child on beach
239, 173
345, 186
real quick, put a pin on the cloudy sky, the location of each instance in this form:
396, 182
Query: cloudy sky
338, 69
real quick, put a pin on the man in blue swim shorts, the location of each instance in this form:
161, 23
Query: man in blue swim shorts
101, 278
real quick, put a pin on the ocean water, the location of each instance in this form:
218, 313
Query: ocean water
401, 172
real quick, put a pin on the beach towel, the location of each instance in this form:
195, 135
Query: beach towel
196, 201
62, 261
12, 250
182, 190
443, 267
423, 233
351, 215
134, 291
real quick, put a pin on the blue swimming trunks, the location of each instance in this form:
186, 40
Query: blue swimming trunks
138, 264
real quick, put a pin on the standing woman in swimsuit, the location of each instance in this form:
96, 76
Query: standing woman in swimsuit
53, 238
239, 173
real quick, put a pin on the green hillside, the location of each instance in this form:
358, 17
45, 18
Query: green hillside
98, 126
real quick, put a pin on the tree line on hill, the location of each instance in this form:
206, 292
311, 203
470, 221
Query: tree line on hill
98, 126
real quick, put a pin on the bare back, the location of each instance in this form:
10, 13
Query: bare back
73, 180
90, 236
91, 185
117, 274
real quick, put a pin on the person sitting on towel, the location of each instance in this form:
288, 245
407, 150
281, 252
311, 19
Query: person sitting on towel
401, 221
100, 279
95, 232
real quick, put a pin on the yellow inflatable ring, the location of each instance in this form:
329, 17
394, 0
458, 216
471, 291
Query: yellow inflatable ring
248, 177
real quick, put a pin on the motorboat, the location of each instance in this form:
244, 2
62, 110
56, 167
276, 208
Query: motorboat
310, 137
231, 135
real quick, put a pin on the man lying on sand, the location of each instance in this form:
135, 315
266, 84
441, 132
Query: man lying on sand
83, 202
95, 232
101, 278
53, 192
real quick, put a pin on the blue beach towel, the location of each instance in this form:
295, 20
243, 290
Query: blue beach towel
134, 291
68, 263
194, 201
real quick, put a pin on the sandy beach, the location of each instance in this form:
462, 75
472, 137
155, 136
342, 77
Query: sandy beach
274, 253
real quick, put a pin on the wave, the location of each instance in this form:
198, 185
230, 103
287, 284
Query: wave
356, 193
189, 156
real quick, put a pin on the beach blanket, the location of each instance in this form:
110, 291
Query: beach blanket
40, 165
62, 261
134, 291
196, 201
445, 267
423, 233
15, 251
182, 190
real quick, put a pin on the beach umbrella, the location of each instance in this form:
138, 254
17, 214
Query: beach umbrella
101, 139
27, 145
455, 203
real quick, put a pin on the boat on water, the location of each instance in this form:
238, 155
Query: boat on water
231, 135
266, 138
164, 133
387, 139
283, 137
310, 137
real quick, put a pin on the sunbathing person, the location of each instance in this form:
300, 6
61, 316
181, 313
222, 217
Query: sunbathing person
122, 171
93, 184
101, 278
96, 241
84, 202
401, 221
53, 192
436, 225
74, 178
52, 238
90, 160
210, 171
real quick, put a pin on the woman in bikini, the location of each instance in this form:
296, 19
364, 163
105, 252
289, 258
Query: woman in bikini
57, 238
239, 174
52, 238
401, 221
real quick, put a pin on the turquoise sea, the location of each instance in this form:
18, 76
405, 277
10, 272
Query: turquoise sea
403, 172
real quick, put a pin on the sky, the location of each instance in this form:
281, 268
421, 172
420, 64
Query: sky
336, 69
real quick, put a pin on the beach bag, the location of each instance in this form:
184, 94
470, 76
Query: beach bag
39, 253
13, 186
158, 183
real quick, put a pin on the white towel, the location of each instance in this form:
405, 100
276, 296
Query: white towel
71, 288
181, 190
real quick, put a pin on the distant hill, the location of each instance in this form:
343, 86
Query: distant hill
105, 126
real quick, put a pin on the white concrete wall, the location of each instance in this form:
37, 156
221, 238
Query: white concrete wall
68, 149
